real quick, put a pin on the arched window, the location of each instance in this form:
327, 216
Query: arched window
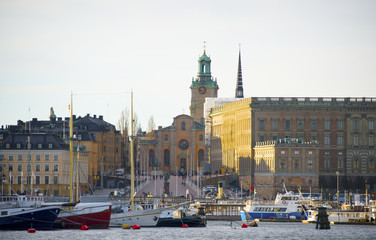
151, 158
200, 137
166, 158
200, 158
183, 126
371, 164
356, 163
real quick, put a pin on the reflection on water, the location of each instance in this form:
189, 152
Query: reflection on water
214, 230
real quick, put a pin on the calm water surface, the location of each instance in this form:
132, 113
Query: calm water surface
214, 230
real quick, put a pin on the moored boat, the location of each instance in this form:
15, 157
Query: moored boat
20, 212
143, 218
286, 206
340, 216
93, 215
176, 218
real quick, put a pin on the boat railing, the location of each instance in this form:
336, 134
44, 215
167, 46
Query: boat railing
260, 202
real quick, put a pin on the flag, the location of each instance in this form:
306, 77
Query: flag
252, 188
69, 107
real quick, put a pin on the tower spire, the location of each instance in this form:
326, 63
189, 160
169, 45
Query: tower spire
239, 82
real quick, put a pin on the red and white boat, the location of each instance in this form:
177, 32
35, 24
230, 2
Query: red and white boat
94, 215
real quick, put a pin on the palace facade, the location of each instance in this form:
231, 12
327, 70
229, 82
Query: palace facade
343, 129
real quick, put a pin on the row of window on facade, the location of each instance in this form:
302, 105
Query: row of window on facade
36, 179
28, 157
327, 139
296, 164
29, 167
153, 162
116, 149
327, 124
29, 145
200, 137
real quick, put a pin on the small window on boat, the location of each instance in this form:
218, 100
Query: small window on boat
4, 213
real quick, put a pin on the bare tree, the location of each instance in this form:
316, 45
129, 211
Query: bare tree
136, 124
123, 122
151, 124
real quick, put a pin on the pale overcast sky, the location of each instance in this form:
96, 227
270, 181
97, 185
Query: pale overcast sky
102, 49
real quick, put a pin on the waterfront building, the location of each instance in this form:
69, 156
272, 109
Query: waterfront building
104, 147
342, 127
103, 143
39, 163
286, 162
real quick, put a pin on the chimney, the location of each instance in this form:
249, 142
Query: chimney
95, 116
101, 117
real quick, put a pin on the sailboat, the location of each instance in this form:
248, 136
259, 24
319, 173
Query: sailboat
139, 216
75, 214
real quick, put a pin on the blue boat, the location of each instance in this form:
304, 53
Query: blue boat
20, 212
286, 206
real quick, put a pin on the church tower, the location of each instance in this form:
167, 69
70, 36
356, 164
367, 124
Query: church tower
203, 86
239, 82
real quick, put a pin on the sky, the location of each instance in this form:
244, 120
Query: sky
99, 51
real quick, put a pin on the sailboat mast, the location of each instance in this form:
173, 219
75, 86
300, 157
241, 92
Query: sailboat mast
71, 150
132, 163
77, 175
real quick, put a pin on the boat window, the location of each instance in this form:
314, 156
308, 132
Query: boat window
4, 213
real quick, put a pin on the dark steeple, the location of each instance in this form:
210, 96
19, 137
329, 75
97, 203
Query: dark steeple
239, 82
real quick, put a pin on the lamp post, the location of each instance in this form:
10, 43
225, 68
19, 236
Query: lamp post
366, 193
337, 173
155, 176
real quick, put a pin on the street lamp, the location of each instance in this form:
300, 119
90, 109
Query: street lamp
337, 173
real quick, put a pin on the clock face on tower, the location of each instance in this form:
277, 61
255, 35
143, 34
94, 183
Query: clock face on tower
183, 144
202, 89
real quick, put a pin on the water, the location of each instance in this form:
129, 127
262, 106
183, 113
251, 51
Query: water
214, 230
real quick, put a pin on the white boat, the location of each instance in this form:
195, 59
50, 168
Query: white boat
143, 218
339, 216
285, 206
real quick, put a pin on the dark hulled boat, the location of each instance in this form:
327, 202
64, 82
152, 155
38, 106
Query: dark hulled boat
19, 212
176, 218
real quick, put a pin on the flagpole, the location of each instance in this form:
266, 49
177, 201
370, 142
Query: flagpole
71, 150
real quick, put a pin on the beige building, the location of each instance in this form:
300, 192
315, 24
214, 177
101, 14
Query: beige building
176, 148
39, 162
286, 162
343, 128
